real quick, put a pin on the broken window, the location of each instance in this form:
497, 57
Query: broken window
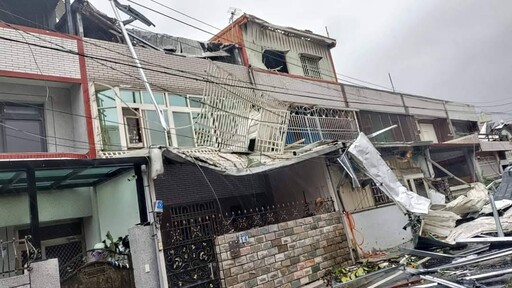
275, 60
310, 66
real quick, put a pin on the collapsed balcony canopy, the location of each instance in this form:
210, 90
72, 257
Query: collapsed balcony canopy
63, 173
238, 164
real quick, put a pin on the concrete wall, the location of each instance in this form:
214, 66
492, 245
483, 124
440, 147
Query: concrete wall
144, 255
381, 228
64, 134
257, 39
21, 55
118, 208
289, 184
374, 100
292, 253
71, 203
389, 102
44, 274
300, 91
79, 119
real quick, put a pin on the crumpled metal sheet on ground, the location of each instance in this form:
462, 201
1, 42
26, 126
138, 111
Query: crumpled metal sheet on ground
479, 226
369, 158
440, 222
474, 200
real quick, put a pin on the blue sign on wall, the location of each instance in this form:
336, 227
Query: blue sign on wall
159, 206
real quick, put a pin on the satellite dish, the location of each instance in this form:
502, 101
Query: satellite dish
235, 13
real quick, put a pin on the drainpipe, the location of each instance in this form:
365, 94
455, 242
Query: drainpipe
160, 260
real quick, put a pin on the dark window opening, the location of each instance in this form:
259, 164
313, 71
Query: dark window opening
21, 129
37, 14
463, 128
275, 60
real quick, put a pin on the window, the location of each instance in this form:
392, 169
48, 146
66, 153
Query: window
133, 128
22, 128
275, 60
129, 120
378, 195
310, 66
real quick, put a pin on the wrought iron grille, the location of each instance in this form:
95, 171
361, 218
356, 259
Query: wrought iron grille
315, 124
16, 255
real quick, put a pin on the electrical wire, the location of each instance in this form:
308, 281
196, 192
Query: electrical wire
271, 91
213, 34
98, 60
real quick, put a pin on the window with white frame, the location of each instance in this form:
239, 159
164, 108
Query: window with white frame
129, 120
310, 66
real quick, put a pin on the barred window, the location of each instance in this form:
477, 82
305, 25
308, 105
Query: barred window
379, 197
310, 66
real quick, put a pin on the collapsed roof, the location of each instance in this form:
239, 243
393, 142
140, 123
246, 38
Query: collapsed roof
98, 25
293, 32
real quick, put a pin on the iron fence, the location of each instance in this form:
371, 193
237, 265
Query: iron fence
185, 224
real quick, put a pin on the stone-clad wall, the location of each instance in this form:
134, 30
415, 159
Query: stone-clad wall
290, 254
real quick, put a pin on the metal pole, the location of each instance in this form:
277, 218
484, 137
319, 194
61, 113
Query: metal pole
33, 208
391, 80
139, 67
496, 216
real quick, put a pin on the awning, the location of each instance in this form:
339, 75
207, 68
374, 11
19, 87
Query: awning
238, 164
58, 174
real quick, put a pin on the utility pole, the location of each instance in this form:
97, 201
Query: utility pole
391, 80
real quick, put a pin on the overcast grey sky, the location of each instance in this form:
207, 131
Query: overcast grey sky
458, 50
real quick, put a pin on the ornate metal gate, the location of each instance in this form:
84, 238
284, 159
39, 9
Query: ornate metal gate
188, 233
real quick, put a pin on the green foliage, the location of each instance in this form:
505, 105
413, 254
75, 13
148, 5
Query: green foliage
350, 273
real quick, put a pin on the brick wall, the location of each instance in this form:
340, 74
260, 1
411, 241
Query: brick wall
173, 72
184, 183
52, 63
290, 254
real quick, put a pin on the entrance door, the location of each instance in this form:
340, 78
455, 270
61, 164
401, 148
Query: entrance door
189, 246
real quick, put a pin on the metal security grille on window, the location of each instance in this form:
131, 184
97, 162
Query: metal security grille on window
378, 196
314, 124
233, 115
310, 66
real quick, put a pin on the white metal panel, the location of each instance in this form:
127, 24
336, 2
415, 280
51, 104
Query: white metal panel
374, 100
381, 228
427, 107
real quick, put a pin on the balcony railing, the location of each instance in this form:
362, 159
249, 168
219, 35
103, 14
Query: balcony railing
312, 127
